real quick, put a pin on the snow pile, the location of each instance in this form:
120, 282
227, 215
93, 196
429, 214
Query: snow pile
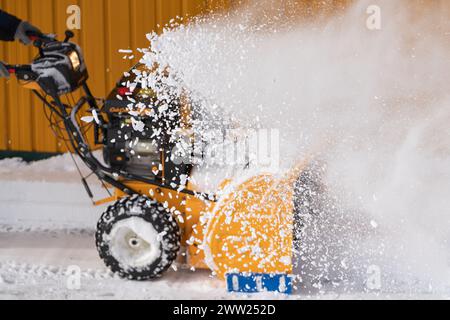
46, 194
374, 104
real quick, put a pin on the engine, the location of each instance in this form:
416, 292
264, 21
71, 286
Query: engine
141, 142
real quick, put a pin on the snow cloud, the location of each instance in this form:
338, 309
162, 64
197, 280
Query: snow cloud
373, 102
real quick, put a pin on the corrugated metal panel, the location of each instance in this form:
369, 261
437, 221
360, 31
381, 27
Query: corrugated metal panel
107, 25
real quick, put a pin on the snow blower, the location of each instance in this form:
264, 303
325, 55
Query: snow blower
244, 231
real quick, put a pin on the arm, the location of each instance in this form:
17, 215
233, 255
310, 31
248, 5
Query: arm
8, 26
12, 28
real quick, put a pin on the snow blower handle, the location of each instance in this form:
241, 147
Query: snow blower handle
21, 71
39, 38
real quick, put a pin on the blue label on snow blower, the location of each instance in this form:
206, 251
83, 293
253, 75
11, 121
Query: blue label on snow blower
259, 282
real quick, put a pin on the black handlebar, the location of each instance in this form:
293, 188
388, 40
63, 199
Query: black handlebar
17, 67
39, 38
22, 72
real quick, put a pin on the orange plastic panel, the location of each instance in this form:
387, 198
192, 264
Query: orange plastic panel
251, 230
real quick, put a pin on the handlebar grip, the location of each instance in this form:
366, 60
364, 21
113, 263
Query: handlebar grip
37, 36
34, 35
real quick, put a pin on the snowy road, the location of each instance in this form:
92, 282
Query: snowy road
36, 265
46, 230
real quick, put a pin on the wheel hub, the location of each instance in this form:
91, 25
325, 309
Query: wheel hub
134, 242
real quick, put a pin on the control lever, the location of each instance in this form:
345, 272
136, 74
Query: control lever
69, 35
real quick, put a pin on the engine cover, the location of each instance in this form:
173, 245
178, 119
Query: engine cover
141, 142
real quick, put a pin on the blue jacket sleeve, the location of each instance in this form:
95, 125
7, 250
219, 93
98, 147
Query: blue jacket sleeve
8, 26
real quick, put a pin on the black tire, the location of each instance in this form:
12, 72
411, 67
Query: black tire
147, 212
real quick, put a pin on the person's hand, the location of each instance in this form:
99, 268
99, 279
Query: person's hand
23, 31
4, 73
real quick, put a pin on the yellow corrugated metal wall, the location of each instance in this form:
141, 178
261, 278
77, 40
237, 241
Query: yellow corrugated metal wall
106, 26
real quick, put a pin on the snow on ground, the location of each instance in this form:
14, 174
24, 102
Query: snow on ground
47, 229
45, 194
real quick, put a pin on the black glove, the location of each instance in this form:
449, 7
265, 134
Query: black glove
4, 73
23, 31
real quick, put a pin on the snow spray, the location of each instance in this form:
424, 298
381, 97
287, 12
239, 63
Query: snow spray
376, 104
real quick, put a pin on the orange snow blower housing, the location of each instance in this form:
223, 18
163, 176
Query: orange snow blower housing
156, 210
234, 238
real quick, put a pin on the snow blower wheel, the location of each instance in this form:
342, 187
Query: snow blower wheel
137, 238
